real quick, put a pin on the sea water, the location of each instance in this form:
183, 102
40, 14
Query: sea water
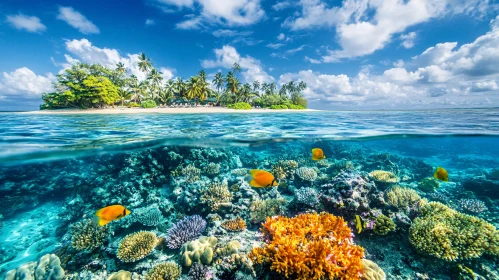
56, 171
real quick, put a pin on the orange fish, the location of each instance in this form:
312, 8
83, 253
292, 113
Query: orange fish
262, 179
441, 174
111, 213
318, 154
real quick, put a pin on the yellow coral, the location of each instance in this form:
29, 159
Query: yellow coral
136, 246
371, 271
216, 195
164, 271
384, 177
236, 224
310, 246
402, 197
444, 233
87, 235
284, 169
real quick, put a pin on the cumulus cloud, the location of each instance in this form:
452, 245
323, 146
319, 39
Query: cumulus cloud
26, 23
281, 5
252, 69
223, 12
77, 20
408, 39
365, 26
443, 75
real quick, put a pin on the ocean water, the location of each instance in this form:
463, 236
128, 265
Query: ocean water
56, 171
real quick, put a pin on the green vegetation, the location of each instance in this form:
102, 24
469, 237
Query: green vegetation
239, 106
96, 86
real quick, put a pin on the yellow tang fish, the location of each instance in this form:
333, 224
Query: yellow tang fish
359, 224
262, 179
441, 174
318, 154
111, 213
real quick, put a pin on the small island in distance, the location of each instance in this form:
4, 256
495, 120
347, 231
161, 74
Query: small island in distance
94, 86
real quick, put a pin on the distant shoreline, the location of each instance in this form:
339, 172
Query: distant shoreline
196, 110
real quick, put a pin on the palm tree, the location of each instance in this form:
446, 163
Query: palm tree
120, 68
193, 88
144, 63
256, 85
265, 88
247, 93
124, 95
236, 68
155, 78
165, 94
219, 81
202, 75
272, 88
169, 88
180, 87
302, 86
283, 91
134, 86
232, 84
143, 88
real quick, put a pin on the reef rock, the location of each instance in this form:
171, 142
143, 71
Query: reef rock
483, 187
47, 268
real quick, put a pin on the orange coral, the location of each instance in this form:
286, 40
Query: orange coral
237, 224
310, 246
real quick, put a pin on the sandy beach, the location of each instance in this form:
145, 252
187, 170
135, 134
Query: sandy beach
197, 110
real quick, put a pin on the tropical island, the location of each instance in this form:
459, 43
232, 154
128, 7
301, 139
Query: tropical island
94, 86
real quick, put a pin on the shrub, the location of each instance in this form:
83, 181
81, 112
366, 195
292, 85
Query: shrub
148, 104
239, 106
296, 107
279, 107
133, 104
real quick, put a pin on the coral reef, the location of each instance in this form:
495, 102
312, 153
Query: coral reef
284, 169
148, 216
307, 196
198, 272
306, 174
239, 172
237, 224
48, 267
428, 184
405, 199
261, 209
216, 195
212, 169
136, 246
471, 206
187, 229
87, 235
444, 233
164, 271
383, 225
191, 173
199, 250
371, 271
384, 177
230, 248
309, 246
120, 275
483, 187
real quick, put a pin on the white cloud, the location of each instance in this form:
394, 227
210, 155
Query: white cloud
442, 76
88, 53
27, 23
313, 61
408, 39
281, 5
230, 33
274, 46
150, 22
167, 73
252, 69
77, 20
24, 83
223, 12
365, 26
281, 37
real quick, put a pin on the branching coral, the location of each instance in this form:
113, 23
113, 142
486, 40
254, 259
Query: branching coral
404, 198
306, 174
164, 271
371, 271
444, 233
148, 216
383, 225
284, 169
191, 173
428, 184
472, 206
310, 246
216, 195
307, 196
87, 235
384, 177
212, 169
239, 171
198, 272
237, 224
136, 246
261, 209
187, 229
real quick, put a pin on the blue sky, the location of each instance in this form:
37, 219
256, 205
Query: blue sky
353, 54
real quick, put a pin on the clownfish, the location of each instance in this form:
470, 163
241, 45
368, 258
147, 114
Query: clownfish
441, 174
318, 154
111, 213
262, 179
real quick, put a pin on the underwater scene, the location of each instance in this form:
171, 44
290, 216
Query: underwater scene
312, 195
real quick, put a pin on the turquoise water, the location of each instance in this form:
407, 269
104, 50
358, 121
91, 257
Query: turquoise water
56, 171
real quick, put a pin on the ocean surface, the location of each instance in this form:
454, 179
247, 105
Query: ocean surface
186, 176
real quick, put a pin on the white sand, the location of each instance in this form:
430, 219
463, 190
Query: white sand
197, 110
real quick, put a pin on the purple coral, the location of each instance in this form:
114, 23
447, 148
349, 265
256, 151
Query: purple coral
187, 229
473, 206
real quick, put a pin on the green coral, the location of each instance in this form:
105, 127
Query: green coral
261, 209
428, 184
384, 177
198, 251
444, 233
401, 197
164, 271
383, 225
87, 235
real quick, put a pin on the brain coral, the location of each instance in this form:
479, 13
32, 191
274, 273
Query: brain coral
306, 173
48, 267
164, 271
136, 246
120, 275
371, 271
444, 233
87, 235
309, 246
199, 250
